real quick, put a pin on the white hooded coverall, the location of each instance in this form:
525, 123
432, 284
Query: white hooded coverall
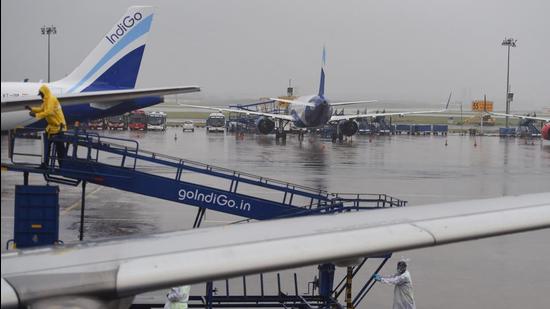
178, 297
403, 297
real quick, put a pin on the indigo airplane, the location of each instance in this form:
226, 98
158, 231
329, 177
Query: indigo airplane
313, 111
102, 85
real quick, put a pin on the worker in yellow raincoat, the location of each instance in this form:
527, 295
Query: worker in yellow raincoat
53, 113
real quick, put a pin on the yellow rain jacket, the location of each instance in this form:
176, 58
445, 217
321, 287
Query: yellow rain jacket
51, 110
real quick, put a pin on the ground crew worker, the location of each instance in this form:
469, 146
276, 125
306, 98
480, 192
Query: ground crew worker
403, 297
52, 112
178, 297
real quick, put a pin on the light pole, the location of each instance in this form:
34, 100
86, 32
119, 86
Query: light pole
48, 30
510, 42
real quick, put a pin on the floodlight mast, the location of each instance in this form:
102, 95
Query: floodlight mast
509, 42
48, 30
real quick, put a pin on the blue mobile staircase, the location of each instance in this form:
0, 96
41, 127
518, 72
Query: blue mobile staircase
527, 128
121, 164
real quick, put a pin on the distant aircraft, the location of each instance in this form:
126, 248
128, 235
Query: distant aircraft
102, 85
545, 132
313, 111
108, 274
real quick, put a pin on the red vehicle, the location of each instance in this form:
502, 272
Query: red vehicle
546, 131
137, 120
119, 122
96, 124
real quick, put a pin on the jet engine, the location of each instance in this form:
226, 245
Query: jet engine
265, 125
348, 127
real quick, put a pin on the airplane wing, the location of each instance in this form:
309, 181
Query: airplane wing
367, 115
242, 111
351, 102
109, 97
521, 116
335, 118
116, 269
294, 102
330, 103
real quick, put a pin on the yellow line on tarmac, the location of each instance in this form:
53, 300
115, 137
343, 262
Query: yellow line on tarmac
77, 204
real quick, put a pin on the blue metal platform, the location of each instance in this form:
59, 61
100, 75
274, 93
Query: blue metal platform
121, 164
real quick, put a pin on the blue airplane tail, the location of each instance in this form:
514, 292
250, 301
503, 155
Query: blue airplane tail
116, 60
322, 81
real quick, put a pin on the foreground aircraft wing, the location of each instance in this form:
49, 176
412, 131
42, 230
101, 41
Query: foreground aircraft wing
109, 97
242, 111
118, 269
521, 116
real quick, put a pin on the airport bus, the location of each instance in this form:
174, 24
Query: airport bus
215, 123
118, 122
137, 120
156, 121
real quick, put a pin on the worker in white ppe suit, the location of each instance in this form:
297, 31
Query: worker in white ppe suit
403, 297
178, 297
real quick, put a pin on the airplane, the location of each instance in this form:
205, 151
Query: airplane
109, 273
313, 111
102, 85
545, 132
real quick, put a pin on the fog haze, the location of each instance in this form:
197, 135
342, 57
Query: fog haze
410, 51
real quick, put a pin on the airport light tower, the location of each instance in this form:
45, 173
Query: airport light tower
48, 30
509, 42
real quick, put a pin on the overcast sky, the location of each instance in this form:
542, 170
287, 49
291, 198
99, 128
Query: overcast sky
415, 51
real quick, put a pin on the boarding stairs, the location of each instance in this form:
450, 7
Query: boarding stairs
121, 164
528, 128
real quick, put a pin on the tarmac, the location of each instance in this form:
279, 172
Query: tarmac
503, 272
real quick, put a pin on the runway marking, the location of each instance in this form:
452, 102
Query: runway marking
76, 204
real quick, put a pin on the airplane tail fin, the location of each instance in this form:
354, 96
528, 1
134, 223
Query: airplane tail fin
116, 60
322, 81
448, 101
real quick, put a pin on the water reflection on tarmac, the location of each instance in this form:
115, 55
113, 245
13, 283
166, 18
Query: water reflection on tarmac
506, 272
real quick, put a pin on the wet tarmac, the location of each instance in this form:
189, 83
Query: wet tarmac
504, 272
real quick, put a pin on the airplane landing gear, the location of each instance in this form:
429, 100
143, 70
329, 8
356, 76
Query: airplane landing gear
300, 135
280, 134
337, 134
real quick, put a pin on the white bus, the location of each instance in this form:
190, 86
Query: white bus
156, 121
215, 123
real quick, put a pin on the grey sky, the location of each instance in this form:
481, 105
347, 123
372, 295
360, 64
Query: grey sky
415, 51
